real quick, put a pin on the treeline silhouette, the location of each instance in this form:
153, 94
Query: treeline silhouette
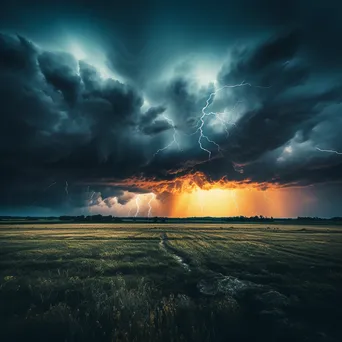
109, 218
114, 219
256, 218
308, 218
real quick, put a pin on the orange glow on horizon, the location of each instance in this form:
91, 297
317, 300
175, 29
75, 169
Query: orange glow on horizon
225, 202
195, 195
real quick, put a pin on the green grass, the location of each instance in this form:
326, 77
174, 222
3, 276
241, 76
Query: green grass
199, 282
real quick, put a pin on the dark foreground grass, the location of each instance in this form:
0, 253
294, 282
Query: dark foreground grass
170, 283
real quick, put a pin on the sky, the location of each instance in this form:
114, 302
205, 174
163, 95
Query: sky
171, 108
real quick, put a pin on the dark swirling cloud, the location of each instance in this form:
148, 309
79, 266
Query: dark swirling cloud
63, 121
52, 119
280, 108
150, 124
60, 70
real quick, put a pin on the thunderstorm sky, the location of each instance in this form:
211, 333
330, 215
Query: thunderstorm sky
174, 108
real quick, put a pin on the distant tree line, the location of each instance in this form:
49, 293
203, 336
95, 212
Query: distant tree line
92, 218
156, 219
256, 218
109, 218
308, 218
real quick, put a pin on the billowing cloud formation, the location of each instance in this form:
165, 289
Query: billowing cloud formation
64, 127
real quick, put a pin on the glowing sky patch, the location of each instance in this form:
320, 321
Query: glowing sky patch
239, 202
206, 72
92, 56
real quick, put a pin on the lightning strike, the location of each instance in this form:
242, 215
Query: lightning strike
328, 151
174, 141
221, 118
138, 206
66, 188
153, 196
90, 201
91, 196
48, 187
201, 121
225, 123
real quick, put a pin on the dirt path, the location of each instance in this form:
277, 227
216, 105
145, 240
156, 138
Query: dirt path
173, 252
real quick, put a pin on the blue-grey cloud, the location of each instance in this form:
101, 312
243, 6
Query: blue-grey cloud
61, 119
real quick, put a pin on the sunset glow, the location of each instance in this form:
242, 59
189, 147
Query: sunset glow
237, 202
197, 196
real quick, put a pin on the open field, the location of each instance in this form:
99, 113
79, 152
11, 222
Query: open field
169, 282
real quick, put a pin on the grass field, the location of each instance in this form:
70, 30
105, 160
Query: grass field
199, 282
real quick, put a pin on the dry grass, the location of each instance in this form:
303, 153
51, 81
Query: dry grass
115, 282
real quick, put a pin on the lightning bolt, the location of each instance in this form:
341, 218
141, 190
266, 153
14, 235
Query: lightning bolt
201, 121
48, 187
90, 201
174, 141
138, 206
129, 212
220, 117
66, 188
329, 151
153, 196
91, 196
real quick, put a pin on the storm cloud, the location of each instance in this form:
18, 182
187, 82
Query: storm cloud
74, 128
